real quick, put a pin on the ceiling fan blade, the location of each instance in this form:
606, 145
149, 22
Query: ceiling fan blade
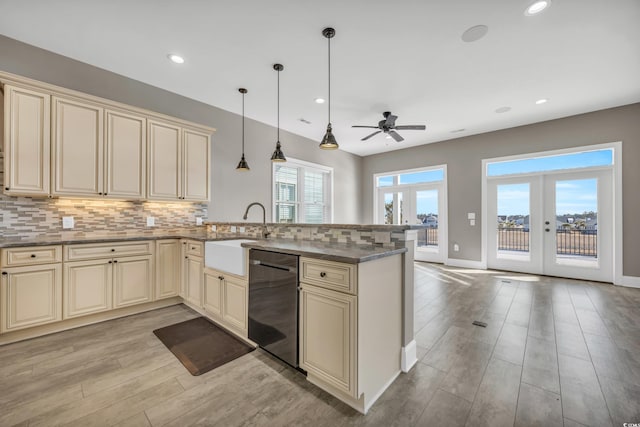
370, 127
391, 121
369, 136
411, 127
396, 136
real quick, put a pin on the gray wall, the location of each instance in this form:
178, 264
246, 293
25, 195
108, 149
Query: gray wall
464, 156
231, 190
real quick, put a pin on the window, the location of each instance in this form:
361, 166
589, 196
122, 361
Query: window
584, 159
302, 192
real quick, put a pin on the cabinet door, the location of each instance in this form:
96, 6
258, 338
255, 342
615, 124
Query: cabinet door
213, 293
87, 287
125, 155
168, 261
165, 160
195, 156
195, 277
31, 296
328, 337
132, 281
27, 145
234, 306
77, 148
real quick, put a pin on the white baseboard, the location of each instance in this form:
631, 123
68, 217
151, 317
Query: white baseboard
409, 356
465, 263
630, 282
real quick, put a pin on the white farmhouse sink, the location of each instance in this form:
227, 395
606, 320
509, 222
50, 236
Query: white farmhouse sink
227, 256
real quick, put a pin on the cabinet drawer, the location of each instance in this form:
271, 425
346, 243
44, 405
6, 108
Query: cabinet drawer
103, 250
194, 248
329, 274
30, 255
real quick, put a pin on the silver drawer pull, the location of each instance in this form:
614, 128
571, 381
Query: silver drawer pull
323, 274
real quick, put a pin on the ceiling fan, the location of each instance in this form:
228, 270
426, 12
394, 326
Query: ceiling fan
388, 126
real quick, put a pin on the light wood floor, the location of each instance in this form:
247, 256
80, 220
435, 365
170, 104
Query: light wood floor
555, 352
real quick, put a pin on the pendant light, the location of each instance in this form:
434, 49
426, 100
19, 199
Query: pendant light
329, 141
243, 166
278, 155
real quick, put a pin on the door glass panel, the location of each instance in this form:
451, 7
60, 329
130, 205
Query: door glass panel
577, 218
393, 210
427, 212
513, 219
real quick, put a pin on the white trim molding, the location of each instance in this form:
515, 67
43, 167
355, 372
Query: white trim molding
409, 356
629, 281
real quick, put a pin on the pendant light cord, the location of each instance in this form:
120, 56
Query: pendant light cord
243, 125
278, 105
329, 74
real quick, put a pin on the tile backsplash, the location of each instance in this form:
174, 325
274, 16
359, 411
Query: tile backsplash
28, 217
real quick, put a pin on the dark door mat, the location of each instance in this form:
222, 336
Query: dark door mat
200, 345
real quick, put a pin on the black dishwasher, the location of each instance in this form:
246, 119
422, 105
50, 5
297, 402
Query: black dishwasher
273, 303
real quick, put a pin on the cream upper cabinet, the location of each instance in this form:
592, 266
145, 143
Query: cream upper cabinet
125, 155
165, 161
195, 155
178, 163
77, 148
27, 148
168, 261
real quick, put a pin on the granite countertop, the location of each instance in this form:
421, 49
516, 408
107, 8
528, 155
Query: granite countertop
340, 252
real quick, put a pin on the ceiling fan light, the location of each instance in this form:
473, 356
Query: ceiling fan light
328, 140
278, 155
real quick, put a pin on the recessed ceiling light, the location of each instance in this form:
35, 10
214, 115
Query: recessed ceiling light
503, 109
388, 136
458, 130
537, 7
541, 101
474, 33
319, 100
176, 58
305, 121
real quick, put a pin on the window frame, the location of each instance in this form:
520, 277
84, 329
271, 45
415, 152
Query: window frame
300, 203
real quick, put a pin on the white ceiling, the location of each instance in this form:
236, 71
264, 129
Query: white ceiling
404, 56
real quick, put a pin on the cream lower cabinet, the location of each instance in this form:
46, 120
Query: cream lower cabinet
168, 271
31, 287
351, 326
31, 296
329, 335
226, 299
100, 277
192, 272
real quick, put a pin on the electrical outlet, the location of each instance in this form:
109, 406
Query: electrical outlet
456, 247
382, 237
242, 229
198, 220
151, 221
214, 228
67, 222
472, 222
306, 233
233, 228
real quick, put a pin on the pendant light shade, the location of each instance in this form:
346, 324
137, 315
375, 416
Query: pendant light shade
329, 141
242, 165
278, 155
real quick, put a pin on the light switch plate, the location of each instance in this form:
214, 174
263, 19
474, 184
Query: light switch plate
68, 222
233, 228
198, 220
306, 233
242, 229
151, 221
472, 222
214, 228
456, 247
471, 215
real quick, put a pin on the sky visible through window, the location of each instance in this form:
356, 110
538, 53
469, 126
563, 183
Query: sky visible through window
572, 196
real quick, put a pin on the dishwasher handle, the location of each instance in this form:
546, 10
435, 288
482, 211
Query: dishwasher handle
276, 266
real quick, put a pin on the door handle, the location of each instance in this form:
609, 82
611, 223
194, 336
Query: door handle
546, 223
546, 229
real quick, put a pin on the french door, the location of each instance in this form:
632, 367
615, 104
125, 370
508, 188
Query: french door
418, 204
557, 224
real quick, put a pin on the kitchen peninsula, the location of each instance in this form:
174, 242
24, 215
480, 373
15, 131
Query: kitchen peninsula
83, 278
